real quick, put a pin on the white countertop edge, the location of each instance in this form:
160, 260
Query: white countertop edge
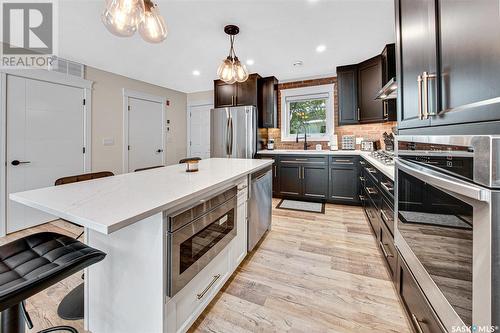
126, 222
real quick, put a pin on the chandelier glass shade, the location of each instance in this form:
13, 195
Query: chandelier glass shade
231, 69
124, 17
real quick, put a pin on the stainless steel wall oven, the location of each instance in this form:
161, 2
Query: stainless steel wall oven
448, 227
196, 235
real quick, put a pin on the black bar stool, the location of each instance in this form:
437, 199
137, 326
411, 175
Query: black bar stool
71, 307
32, 264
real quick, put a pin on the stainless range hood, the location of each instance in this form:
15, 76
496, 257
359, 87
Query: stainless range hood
389, 91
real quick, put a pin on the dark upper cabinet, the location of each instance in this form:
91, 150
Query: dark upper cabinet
224, 94
459, 67
268, 102
358, 85
369, 83
236, 94
469, 58
416, 54
347, 87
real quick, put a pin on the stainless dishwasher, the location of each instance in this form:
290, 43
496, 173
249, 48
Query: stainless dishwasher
259, 205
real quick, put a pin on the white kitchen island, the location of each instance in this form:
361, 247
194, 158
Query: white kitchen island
123, 216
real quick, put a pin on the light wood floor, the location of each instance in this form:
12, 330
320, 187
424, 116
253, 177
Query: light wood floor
311, 273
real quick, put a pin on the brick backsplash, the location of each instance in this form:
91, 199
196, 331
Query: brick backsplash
372, 131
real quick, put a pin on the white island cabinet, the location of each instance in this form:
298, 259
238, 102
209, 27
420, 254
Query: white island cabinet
123, 216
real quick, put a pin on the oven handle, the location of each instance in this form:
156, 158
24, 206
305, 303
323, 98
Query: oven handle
443, 181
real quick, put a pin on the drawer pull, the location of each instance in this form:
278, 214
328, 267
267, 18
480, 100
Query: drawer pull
384, 216
200, 295
387, 255
371, 190
301, 159
387, 186
371, 170
362, 197
344, 163
361, 178
362, 162
417, 323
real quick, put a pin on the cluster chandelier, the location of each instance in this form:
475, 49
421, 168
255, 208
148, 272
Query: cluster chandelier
124, 17
232, 70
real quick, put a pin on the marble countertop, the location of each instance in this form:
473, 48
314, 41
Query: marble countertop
109, 204
387, 170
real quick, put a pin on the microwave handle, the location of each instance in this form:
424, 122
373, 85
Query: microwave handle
444, 181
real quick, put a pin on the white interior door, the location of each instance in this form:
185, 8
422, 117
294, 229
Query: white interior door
199, 129
145, 134
45, 140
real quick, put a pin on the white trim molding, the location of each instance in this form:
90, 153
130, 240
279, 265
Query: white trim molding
188, 120
326, 90
127, 93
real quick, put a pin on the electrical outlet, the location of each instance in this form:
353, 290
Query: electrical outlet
359, 140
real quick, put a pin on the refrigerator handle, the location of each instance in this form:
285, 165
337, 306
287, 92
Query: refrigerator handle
231, 136
227, 136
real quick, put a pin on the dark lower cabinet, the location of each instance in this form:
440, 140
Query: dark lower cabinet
290, 181
343, 180
315, 181
276, 184
422, 317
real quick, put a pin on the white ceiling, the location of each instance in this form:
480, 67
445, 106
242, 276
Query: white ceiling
274, 33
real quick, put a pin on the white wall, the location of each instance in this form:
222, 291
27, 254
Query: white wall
107, 118
200, 97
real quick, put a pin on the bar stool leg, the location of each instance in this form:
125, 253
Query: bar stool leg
13, 320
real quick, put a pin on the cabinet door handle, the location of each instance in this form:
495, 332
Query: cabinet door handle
384, 108
371, 190
275, 171
200, 295
299, 172
425, 79
387, 255
359, 114
417, 323
384, 216
386, 187
419, 101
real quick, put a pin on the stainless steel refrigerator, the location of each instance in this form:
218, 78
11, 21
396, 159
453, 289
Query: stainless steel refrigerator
233, 132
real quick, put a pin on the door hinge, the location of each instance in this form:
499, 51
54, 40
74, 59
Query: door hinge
190, 114
128, 147
128, 107
84, 150
190, 143
84, 101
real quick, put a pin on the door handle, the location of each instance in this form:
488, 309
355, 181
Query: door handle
419, 102
159, 151
17, 162
425, 83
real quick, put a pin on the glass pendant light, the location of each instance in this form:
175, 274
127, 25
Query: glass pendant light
231, 70
152, 28
121, 17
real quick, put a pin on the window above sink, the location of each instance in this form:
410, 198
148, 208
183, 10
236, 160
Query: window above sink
307, 109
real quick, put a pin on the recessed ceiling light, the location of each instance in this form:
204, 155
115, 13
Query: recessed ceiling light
298, 63
196, 73
320, 48
250, 62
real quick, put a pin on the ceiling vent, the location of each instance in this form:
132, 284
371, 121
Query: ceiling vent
67, 67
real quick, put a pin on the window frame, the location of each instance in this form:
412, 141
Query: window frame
296, 93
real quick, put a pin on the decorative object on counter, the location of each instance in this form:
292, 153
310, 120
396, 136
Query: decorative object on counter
388, 141
386, 157
348, 142
232, 70
270, 144
124, 17
370, 145
319, 147
334, 145
302, 206
192, 166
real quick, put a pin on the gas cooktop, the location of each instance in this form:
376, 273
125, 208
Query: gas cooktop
384, 156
